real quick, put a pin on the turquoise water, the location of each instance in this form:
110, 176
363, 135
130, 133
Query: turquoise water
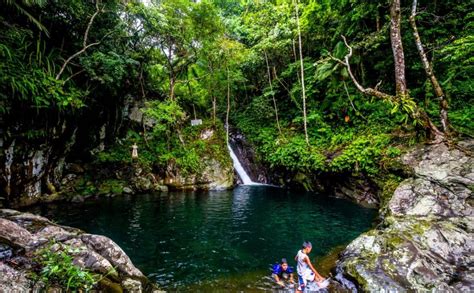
207, 239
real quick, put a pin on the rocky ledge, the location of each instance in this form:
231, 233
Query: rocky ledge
425, 241
25, 237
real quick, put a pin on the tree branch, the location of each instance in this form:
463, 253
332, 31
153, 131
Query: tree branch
368, 91
73, 75
84, 43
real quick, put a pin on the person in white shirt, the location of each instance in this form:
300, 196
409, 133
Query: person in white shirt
306, 271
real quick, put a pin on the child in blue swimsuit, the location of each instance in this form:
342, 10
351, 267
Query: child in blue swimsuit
282, 272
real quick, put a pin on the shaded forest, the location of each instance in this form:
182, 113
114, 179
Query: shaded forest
314, 86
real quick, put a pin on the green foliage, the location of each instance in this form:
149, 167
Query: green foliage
160, 151
362, 155
110, 186
107, 68
32, 81
296, 155
165, 115
58, 268
188, 58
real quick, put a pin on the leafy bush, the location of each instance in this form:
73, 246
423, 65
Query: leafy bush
58, 268
295, 155
362, 154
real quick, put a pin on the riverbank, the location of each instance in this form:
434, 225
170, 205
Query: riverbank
425, 240
37, 254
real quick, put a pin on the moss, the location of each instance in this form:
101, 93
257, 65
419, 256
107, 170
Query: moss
471, 187
326, 263
356, 268
389, 267
393, 241
303, 180
387, 184
419, 227
111, 186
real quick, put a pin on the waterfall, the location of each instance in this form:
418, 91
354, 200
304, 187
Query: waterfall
240, 170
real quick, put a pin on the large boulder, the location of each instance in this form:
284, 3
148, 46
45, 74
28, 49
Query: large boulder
23, 235
14, 235
426, 240
113, 253
214, 176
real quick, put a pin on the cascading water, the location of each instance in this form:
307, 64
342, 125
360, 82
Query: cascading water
240, 170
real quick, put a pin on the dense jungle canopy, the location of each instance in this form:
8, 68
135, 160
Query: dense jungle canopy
314, 85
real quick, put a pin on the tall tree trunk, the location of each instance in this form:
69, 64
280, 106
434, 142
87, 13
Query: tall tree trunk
443, 103
172, 86
397, 48
214, 110
296, 59
228, 105
302, 74
214, 102
273, 95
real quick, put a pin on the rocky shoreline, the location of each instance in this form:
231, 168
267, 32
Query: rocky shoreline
425, 241
24, 237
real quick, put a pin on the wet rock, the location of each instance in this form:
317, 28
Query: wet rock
250, 161
132, 286
214, 176
162, 188
14, 235
8, 213
426, 241
54, 233
142, 183
127, 190
27, 217
5, 251
77, 199
12, 280
355, 188
113, 253
90, 260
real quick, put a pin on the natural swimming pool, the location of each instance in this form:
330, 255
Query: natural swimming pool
216, 239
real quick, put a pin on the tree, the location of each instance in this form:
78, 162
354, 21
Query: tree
401, 97
443, 103
303, 90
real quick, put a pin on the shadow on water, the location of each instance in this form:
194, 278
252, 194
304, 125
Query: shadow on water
217, 239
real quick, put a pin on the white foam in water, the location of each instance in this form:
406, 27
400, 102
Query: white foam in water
315, 287
240, 170
324, 284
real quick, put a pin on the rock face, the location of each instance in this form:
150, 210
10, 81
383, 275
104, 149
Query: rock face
355, 188
256, 170
22, 235
426, 240
214, 176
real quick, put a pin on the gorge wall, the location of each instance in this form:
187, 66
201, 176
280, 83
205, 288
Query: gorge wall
425, 240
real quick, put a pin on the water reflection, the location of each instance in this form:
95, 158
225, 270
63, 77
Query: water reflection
185, 239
